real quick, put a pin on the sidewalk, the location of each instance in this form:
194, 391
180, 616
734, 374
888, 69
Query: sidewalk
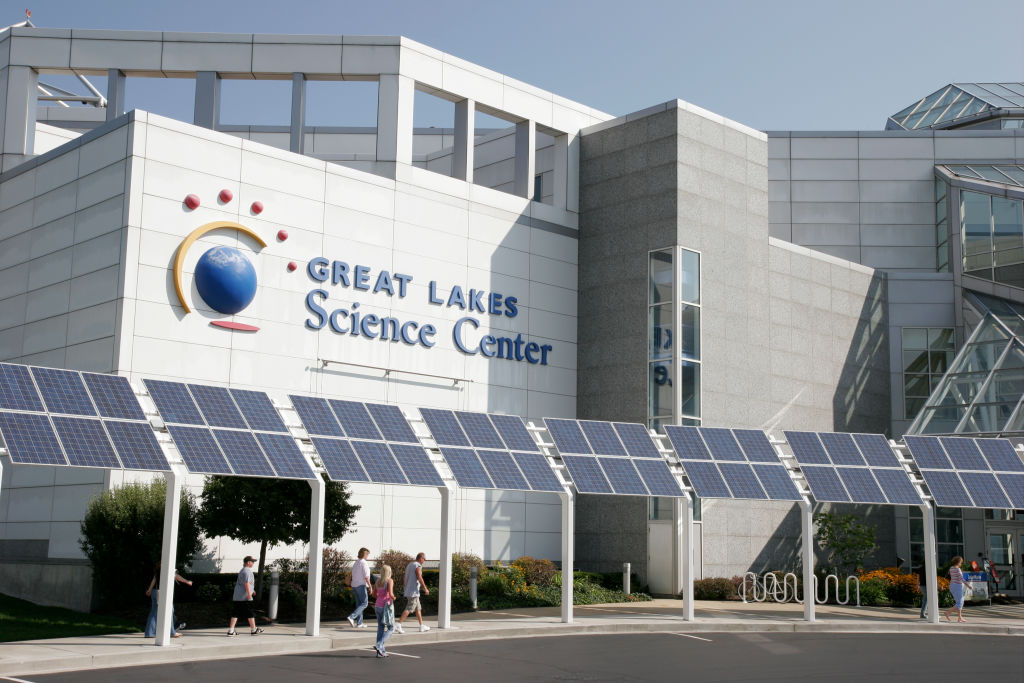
100, 652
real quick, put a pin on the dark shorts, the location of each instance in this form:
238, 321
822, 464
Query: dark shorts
242, 609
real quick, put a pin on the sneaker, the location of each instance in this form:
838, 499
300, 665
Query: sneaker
181, 626
351, 622
361, 626
398, 628
424, 628
256, 632
232, 633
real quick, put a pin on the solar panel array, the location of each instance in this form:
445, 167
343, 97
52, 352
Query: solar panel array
490, 451
852, 468
228, 431
79, 419
731, 463
612, 458
369, 442
970, 473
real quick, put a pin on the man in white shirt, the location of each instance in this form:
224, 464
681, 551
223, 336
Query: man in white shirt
360, 588
413, 583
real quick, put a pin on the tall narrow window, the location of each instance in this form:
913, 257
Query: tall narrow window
927, 354
941, 227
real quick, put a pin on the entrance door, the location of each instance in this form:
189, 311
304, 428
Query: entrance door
1004, 552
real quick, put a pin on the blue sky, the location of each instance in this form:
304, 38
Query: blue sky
791, 65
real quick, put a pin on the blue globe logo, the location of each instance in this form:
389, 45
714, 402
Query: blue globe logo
225, 279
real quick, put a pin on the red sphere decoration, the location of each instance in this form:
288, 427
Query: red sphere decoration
192, 201
257, 208
282, 235
292, 265
225, 195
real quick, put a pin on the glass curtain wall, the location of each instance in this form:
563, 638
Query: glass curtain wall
949, 535
927, 355
992, 233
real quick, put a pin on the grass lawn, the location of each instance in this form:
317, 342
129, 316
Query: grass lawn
23, 620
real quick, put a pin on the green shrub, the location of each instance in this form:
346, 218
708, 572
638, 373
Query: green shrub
713, 589
872, 592
336, 566
461, 564
208, 593
538, 572
946, 599
395, 559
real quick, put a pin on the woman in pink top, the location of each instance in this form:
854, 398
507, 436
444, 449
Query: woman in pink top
385, 609
956, 587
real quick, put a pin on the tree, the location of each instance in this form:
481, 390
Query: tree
122, 535
847, 539
270, 511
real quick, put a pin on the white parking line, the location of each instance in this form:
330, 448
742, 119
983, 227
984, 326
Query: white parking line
687, 635
16, 680
390, 654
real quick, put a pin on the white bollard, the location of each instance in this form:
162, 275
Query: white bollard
473, 573
275, 583
625, 578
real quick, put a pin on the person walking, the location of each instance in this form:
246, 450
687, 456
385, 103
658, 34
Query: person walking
956, 587
153, 592
361, 586
922, 579
384, 606
242, 599
413, 583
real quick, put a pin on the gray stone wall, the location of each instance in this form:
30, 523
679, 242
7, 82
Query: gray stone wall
59, 584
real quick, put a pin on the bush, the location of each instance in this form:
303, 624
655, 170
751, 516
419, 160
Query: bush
208, 593
872, 592
461, 564
536, 571
337, 564
395, 559
713, 589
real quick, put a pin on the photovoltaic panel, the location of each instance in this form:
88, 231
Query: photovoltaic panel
284, 456
85, 443
339, 460
198, 449
444, 427
841, 449
896, 486
378, 462
947, 489
755, 445
985, 490
217, 406
706, 479
776, 482
243, 453
876, 450
418, 468
861, 486
807, 449
63, 391
113, 396
825, 484
392, 423
30, 439
586, 474
658, 477
928, 453
637, 440
741, 480
1000, 455
623, 477
514, 433
355, 420
1013, 484
568, 436
136, 445
602, 437
963, 453
503, 470
480, 431
688, 445
17, 392
316, 416
722, 445
466, 468
173, 402
537, 470
258, 410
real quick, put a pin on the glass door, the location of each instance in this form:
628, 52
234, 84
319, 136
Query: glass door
1004, 552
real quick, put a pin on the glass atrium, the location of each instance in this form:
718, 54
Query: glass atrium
977, 105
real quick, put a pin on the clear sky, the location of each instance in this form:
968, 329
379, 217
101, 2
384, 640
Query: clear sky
789, 65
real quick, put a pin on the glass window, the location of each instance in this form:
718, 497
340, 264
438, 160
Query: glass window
660, 382
949, 535
661, 349
691, 276
927, 355
661, 331
976, 222
661, 276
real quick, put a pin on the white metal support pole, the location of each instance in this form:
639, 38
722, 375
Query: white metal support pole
444, 588
316, 555
568, 546
168, 558
807, 519
685, 556
931, 563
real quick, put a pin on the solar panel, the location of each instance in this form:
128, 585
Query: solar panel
480, 431
537, 470
418, 468
173, 402
947, 489
1013, 484
217, 407
284, 456
392, 423
825, 484
602, 437
687, 443
861, 486
928, 452
444, 427
985, 490
113, 396
623, 477
963, 453
658, 478
198, 449
586, 475
258, 410
85, 443
637, 440
706, 479
1000, 455
841, 449
466, 468
721, 444
741, 480
755, 445
316, 416
243, 453
355, 420
503, 470
568, 436
513, 432
63, 391
807, 449
776, 482
30, 439
17, 392
136, 445
896, 486
876, 450
339, 460
378, 462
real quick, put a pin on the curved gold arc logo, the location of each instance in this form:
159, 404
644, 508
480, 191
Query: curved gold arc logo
179, 257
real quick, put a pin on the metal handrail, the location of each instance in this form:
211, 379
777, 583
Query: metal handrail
387, 371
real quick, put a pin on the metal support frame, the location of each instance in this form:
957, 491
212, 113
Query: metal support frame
316, 555
444, 587
568, 548
807, 538
168, 557
297, 133
931, 563
115, 93
465, 138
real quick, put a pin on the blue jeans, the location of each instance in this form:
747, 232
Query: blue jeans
362, 600
383, 632
154, 597
924, 601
